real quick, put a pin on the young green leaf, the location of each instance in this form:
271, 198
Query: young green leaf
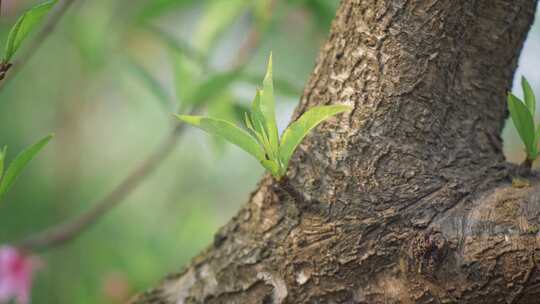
267, 106
227, 130
24, 25
257, 123
19, 163
258, 133
524, 123
294, 134
528, 96
273, 167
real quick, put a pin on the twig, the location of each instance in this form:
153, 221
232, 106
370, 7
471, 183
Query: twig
180, 45
248, 46
65, 232
253, 38
36, 43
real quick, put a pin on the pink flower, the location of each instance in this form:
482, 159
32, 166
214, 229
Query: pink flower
16, 271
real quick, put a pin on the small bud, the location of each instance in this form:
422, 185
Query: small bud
16, 273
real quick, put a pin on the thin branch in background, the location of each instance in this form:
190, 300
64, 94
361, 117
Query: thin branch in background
179, 45
253, 38
63, 233
36, 43
250, 43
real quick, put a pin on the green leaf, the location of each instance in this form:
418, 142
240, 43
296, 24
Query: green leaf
227, 130
267, 106
257, 123
273, 167
528, 96
523, 122
19, 163
151, 84
212, 87
24, 25
294, 134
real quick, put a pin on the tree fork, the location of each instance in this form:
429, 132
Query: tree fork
410, 199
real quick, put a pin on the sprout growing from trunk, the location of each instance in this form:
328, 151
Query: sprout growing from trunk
261, 139
522, 113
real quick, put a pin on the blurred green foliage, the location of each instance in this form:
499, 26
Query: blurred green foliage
107, 82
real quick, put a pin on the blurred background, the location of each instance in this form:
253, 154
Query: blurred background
107, 82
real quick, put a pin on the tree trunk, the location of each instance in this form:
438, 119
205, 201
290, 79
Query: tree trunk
407, 198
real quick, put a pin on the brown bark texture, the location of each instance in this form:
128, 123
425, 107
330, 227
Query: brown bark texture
407, 198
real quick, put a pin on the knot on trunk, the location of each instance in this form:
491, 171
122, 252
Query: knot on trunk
428, 250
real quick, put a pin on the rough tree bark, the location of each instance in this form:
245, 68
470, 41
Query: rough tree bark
407, 199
